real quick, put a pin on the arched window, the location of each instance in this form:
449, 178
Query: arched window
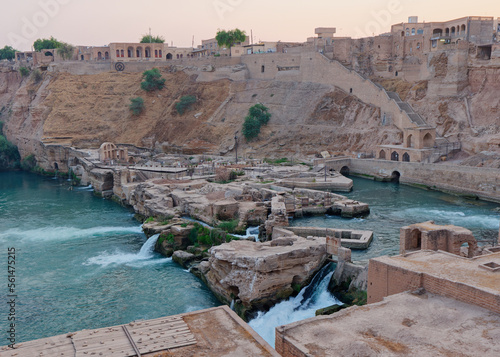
409, 143
177, 56
122, 53
428, 141
138, 52
147, 52
99, 55
413, 31
453, 31
447, 32
160, 54
407, 32
169, 56
130, 52
106, 55
406, 157
381, 155
117, 53
394, 156
462, 30
181, 55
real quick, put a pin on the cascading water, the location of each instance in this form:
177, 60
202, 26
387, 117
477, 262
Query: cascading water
311, 298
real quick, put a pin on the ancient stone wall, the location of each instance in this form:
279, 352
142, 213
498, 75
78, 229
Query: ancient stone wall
481, 182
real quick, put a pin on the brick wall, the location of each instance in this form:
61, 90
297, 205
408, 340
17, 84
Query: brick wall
285, 348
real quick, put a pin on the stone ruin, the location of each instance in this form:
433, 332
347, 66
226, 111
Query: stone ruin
430, 236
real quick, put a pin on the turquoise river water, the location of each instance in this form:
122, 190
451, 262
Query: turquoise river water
82, 262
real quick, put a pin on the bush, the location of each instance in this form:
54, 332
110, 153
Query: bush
136, 105
185, 103
9, 155
152, 80
36, 75
28, 163
229, 226
24, 71
258, 115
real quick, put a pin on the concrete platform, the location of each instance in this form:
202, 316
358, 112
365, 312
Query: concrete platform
350, 238
213, 332
402, 325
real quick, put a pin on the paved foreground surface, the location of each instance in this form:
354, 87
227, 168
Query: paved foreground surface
213, 332
402, 325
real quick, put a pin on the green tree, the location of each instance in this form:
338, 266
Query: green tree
185, 103
258, 115
152, 80
7, 53
65, 50
46, 44
152, 39
230, 37
9, 155
136, 105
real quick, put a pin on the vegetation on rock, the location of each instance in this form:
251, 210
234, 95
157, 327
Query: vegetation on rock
152, 80
23, 71
136, 105
9, 155
7, 53
65, 50
185, 104
258, 116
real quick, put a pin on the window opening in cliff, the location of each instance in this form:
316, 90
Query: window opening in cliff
169, 56
263, 69
484, 52
56, 166
406, 157
395, 176
235, 291
381, 155
345, 171
48, 53
394, 156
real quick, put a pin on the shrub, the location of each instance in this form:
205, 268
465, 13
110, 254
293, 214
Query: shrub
9, 155
185, 103
152, 80
28, 163
258, 115
149, 220
24, 71
136, 105
229, 226
36, 75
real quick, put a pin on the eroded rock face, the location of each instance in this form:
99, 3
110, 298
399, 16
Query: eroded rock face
261, 274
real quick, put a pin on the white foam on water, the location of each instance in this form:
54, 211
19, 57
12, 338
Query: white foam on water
294, 309
250, 232
457, 218
144, 257
65, 233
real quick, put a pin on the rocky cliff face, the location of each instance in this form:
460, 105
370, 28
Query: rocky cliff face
86, 110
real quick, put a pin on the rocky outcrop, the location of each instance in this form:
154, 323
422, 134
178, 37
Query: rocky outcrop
257, 275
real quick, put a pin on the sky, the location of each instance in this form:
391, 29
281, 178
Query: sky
100, 22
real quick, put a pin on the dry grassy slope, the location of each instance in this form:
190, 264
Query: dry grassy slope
93, 109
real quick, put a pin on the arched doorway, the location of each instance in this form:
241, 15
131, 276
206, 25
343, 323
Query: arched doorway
130, 52
106, 55
395, 176
428, 141
138, 52
344, 171
409, 143
56, 166
415, 240
406, 157
99, 56
169, 56
82, 57
381, 155
394, 156
147, 52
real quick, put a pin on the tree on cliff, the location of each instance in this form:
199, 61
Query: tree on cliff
229, 38
46, 44
258, 115
7, 53
9, 155
65, 50
152, 39
152, 80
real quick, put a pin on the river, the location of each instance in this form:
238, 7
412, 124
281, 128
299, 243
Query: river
79, 263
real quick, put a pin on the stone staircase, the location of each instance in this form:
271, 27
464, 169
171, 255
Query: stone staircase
219, 109
406, 107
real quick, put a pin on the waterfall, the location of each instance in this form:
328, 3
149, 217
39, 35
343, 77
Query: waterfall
250, 232
311, 298
143, 257
232, 305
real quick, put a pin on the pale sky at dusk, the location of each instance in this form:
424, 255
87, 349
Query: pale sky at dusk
99, 22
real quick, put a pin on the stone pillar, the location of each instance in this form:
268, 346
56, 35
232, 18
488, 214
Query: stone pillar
344, 255
332, 244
